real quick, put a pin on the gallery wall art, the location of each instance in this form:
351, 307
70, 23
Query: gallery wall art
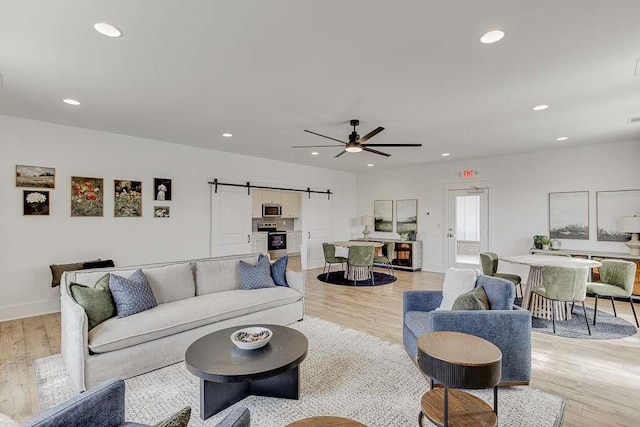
161, 211
383, 215
87, 196
127, 200
35, 202
162, 189
35, 176
611, 206
406, 216
569, 215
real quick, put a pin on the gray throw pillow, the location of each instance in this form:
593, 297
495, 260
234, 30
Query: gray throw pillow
131, 295
256, 276
96, 301
476, 299
179, 419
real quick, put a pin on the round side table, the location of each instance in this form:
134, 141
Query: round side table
326, 421
458, 361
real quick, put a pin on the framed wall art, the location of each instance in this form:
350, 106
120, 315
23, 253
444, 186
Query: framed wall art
569, 215
406, 215
161, 211
35, 202
127, 198
35, 176
611, 206
161, 189
383, 215
87, 196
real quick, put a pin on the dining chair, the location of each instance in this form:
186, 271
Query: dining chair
361, 257
387, 258
489, 261
331, 258
564, 285
616, 280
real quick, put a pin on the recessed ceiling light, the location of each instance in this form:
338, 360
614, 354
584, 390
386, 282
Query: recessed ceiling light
227, 135
492, 37
107, 30
562, 138
314, 153
370, 165
540, 107
71, 101
445, 154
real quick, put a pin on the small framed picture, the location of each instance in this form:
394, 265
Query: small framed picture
35, 176
161, 189
161, 211
35, 203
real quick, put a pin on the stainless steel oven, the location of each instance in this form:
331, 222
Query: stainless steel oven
271, 210
276, 240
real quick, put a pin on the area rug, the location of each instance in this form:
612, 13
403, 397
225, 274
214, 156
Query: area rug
337, 278
607, 326
346, 373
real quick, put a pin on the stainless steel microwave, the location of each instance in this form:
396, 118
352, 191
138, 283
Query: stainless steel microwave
271, 211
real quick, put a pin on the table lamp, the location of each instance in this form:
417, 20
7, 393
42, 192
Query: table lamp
631, 224
366, 220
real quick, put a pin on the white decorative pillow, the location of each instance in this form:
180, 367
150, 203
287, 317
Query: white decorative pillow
457, 281
6, 421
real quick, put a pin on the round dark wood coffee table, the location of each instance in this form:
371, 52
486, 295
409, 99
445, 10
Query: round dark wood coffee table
459, 360
228, 374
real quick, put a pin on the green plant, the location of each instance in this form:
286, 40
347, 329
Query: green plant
545, 240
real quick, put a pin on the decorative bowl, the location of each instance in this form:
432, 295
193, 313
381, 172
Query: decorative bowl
251, 338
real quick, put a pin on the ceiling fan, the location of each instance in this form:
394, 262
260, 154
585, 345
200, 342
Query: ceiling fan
357, 144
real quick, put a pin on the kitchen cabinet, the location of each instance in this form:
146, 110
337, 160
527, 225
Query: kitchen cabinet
290, 205
256, 203
259, 243
271, 197
294, 240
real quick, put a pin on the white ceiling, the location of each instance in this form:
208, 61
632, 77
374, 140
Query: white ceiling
187, 71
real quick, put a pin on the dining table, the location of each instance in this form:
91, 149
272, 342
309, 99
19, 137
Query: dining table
539, 306
356, 273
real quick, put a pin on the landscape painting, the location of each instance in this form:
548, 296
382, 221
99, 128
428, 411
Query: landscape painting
611, 207
87, 196
35, 176
406, 215
383, 215
569, 215
35, 203
127, 198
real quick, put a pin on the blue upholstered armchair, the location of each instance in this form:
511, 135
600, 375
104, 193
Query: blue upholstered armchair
505, 325
103, 406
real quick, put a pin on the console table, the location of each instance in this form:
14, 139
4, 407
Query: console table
407, 253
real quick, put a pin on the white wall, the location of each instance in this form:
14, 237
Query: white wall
31, 243
519, 198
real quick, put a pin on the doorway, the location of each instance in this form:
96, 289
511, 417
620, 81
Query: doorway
467, 231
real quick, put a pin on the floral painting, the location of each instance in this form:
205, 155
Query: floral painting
36, 203
35, 176
127, 198
161, 211
87, 196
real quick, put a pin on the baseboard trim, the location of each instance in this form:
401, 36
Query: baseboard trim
19, 311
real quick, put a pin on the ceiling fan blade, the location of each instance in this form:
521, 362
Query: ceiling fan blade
340, 154
370, 135
324, 136
315, 146
394, 145
365, 148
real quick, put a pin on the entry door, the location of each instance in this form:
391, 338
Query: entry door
316, 229
230, 222
467, 231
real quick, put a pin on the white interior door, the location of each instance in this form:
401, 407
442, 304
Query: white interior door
230, 222
316, 229
467, 232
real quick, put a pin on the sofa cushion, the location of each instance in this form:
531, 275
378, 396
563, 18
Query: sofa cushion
96, 301
131, 295
256, 276
171, 282
279, 270
220, 274
457, 281
178, 316
476, 299
500, 292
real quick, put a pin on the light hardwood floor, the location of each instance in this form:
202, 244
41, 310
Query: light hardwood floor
600, 379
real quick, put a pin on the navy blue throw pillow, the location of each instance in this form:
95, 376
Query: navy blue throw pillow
256, 276
131, 295
279, 271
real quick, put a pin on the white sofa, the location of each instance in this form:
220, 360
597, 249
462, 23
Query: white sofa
194, 298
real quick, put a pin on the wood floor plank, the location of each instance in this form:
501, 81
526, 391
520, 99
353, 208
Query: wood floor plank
12, 344
35, 337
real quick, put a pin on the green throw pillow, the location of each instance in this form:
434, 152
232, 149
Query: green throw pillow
476, 299
179, 419
96, 301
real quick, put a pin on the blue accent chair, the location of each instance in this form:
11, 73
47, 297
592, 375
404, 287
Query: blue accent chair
103, 406
505, 325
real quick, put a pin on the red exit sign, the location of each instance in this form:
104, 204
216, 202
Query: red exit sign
468, 174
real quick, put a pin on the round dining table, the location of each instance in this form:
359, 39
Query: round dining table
541, 307
356, 273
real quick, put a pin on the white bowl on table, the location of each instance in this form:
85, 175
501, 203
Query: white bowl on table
251, 341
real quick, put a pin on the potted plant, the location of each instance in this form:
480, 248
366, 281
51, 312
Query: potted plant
545, 243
